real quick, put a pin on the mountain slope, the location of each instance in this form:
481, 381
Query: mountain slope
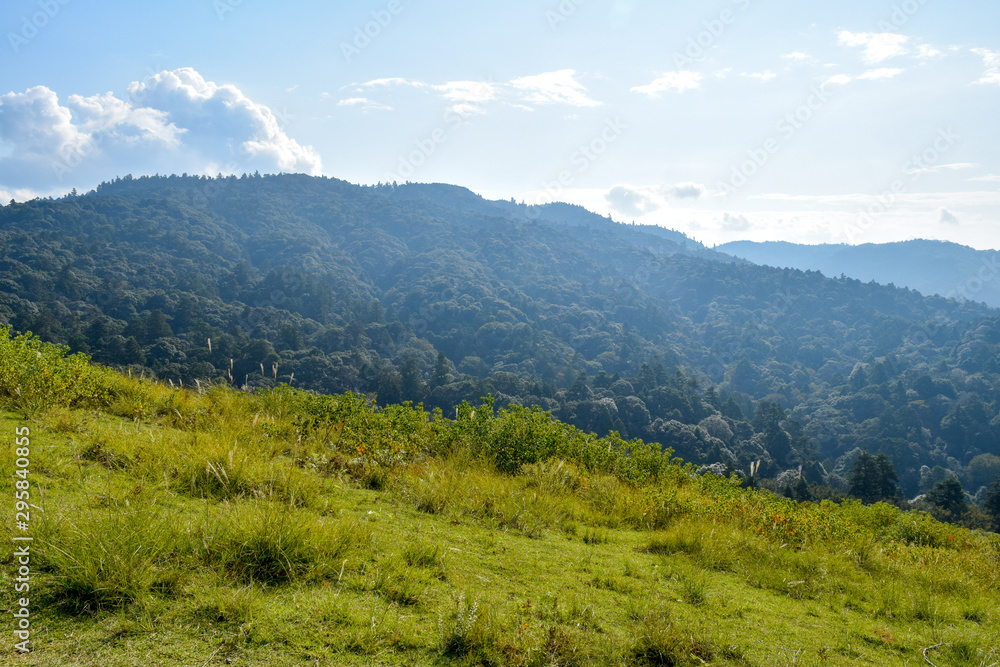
930, 267
431, 294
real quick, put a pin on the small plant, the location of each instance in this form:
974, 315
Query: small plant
109, 559
469, 631
662, 642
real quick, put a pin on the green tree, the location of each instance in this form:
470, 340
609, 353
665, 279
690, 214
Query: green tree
411, 385
949, 496
874, 478
992, 504
440, 376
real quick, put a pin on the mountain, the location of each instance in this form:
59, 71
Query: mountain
930, 267
431, 294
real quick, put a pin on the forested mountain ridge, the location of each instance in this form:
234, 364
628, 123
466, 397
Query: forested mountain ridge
429, 293
930, 267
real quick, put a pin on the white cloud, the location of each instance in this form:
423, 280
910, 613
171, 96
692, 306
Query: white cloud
686, 190
797, 56
671, 81
391, 81
953, 166
925, 51
991, 59
108, 115
38, 130
468, 97
762, 76
881, 73
988, 178
560, 87
838, 80
878, 46
225, 121
363, 102
172, 122
629, 201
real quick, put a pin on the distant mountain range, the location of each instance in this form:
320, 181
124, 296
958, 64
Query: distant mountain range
930, 267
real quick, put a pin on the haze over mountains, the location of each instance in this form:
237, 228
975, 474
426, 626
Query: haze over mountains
930, 267
432, 294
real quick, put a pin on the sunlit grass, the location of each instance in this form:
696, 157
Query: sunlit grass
286, 528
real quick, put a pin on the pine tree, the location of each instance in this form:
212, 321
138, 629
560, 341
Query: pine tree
992, 504
440, 377
874, 478
949, 496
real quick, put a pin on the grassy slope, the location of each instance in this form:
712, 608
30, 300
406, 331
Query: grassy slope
186, 528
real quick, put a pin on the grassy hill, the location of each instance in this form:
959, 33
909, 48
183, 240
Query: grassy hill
204, 526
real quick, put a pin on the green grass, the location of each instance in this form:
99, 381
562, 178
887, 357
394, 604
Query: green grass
284, 529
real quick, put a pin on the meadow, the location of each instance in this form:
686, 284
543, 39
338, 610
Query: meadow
204, 525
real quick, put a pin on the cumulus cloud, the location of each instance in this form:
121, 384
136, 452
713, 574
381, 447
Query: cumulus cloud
174, 121
878, 46
677, 82
38, 132
221, 117
629, 201
948, 218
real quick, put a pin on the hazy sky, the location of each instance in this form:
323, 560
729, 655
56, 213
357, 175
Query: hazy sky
804, 121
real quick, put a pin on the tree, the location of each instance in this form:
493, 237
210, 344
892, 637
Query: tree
411, 385
992, 504
874, 478
440, 376
949, 496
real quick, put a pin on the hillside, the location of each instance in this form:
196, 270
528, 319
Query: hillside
930, 267
209, 526
431, 294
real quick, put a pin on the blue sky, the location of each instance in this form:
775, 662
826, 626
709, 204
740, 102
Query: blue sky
737, 119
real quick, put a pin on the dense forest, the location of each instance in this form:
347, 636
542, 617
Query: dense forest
431, 294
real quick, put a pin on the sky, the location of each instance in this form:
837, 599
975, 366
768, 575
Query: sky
847, 122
